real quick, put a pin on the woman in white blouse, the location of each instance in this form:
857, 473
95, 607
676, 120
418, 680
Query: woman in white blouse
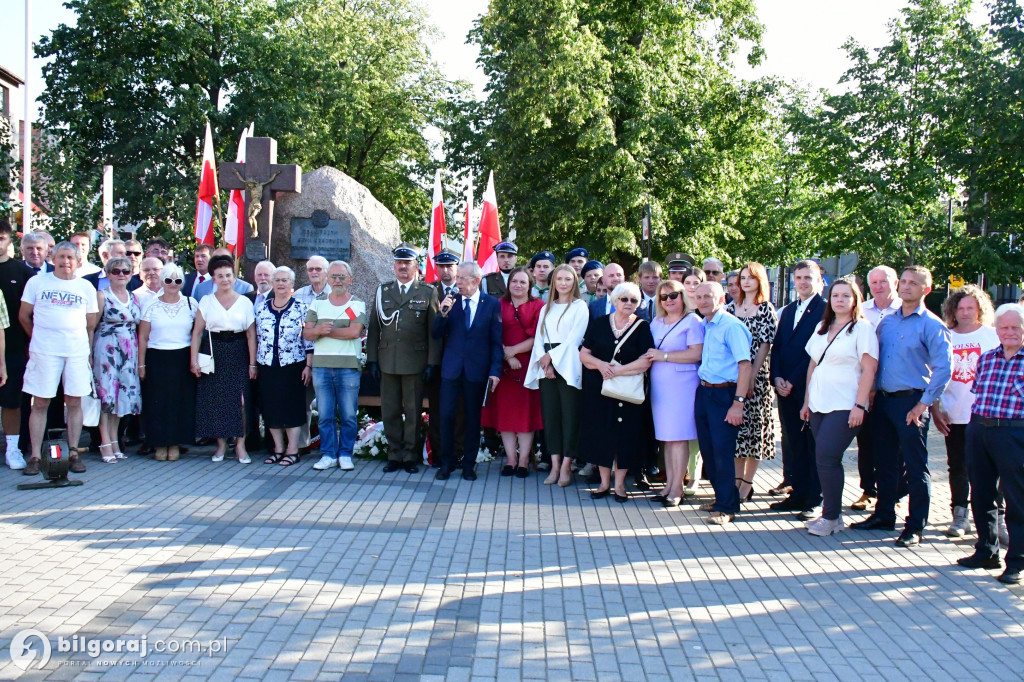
555, 369
168, 387
225, 319
844, 357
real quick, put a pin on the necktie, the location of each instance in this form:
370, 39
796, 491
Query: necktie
202, 278
469, 320
402, 287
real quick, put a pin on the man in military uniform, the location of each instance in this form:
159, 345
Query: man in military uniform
678, 265
496, 283
446, 263
401, 353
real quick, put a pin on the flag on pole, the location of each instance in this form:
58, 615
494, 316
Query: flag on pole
467, 238
234, 225
207, 192
437, 229
489, 234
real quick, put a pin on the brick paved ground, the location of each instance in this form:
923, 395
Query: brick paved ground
308, 575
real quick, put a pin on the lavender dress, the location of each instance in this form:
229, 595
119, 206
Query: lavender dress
674, 385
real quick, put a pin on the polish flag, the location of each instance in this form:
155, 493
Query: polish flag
235, 224
467, 237
207, 192
489, 234
437, 229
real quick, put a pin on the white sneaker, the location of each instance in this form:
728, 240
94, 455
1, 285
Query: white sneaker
217, 458
326, 462
822, 527
961, 525
1002, 532
345, 463
15, 460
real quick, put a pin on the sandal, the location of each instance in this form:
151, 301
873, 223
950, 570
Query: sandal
275, 458
109, 458
289, 459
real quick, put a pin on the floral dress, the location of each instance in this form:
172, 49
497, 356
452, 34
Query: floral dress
757, 433
115, 356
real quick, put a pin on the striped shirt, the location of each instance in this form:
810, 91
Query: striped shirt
999, 385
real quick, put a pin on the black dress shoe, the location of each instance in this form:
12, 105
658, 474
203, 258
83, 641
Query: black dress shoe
469, 475
411, 468
442, 474
980, 561
909, 538
788, 504
874, 522
391, 467
522, 472
508, 470
598, 494
1011, 576
620, 498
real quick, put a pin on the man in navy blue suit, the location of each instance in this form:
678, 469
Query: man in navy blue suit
613, 276
470, 323
788, 373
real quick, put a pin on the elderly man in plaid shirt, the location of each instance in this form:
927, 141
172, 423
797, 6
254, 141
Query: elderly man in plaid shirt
995, 446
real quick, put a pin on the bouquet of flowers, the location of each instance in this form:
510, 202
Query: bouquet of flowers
371, 443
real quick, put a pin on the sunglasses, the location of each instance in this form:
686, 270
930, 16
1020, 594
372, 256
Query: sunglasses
168, 280
134, 253
671, 295
713, 272
119, 271
628, 299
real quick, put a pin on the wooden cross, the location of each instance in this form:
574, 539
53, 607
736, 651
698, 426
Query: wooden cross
260, 170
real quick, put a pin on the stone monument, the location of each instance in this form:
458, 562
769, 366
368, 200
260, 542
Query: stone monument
339, 219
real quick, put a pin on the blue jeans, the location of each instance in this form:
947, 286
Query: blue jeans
717, 440
337, 402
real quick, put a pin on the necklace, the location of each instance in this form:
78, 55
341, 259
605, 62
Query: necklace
615, 330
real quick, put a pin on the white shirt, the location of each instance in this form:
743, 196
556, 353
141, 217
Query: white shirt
237, 318
145, 296
835, 380
59, 314
876, 314
566, 327
799, 310
87, 269
957, 399
170, 323
474, 301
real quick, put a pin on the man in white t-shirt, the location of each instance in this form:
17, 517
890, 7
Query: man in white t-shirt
59, 313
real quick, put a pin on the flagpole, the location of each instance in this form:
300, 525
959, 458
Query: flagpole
26, 176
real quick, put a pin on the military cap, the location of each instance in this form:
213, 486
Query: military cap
677, 262
543, 255
592, 265
506, 247
447, 257
405, 252
578, 251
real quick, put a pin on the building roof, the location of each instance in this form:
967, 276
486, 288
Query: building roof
10, 77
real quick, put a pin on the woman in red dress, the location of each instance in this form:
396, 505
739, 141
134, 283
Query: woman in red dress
513, 409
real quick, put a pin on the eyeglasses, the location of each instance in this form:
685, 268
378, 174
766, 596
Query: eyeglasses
168, 280
134, 253
713, 272
627, 299
337, 276
119, 271
671, 295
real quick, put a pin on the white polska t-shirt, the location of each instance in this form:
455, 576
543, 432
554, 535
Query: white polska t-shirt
60, 307
957, 399
836, 378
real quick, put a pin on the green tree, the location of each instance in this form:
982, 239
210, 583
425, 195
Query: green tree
596, 108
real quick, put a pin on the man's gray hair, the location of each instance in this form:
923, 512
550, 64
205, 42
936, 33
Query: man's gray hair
266, 262
170, 271
716, 289
33, 238
1011, 308
282, 268
472, 268
713, 260
107, 243
890, 274
67, 246
319, 259
344, 264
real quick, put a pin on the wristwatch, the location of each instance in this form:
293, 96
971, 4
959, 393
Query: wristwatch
740, 398
863, 407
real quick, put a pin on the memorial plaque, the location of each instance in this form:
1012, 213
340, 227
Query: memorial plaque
255, 250
319, 235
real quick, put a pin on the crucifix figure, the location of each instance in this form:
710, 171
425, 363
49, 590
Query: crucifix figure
255, 203
263, 178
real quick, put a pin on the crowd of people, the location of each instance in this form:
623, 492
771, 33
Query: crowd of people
568, 368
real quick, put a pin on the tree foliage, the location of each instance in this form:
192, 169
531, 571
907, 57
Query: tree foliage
340, 82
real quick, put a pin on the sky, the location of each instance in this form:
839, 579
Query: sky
803, 38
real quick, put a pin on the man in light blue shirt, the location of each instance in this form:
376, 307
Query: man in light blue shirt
915, 362
724, 379
203, 288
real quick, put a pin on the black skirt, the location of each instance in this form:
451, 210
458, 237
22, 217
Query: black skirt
283, 396
221, 395
169, 398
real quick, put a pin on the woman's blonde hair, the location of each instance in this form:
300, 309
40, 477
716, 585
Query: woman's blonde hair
574, 292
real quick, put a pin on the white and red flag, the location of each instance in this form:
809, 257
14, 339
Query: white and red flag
207, 192
234, 225
467, 236
437, 229
489, 234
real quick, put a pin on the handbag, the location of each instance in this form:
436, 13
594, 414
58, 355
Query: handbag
626, 388
205, 360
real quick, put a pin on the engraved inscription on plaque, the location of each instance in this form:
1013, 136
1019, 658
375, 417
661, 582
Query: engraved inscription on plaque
255, 250
320, 235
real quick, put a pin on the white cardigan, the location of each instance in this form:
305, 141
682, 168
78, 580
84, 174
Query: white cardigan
566, 330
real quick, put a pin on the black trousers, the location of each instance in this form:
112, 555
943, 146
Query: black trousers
956, 459
866, 457
472, 394
995, 457
799, 464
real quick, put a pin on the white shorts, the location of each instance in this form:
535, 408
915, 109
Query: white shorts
43, 374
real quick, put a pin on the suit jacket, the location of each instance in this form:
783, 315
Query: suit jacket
789, 360
46, 268
475, 353
240, 286
597, 310
190, 283
93, 279
494, 285
405, 346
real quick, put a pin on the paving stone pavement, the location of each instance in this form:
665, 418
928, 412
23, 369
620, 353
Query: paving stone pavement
298, 574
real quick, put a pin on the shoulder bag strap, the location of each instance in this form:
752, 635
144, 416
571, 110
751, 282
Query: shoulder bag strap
625, 336
670, 331
833, 341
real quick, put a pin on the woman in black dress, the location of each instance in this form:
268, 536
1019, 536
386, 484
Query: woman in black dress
617, 431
